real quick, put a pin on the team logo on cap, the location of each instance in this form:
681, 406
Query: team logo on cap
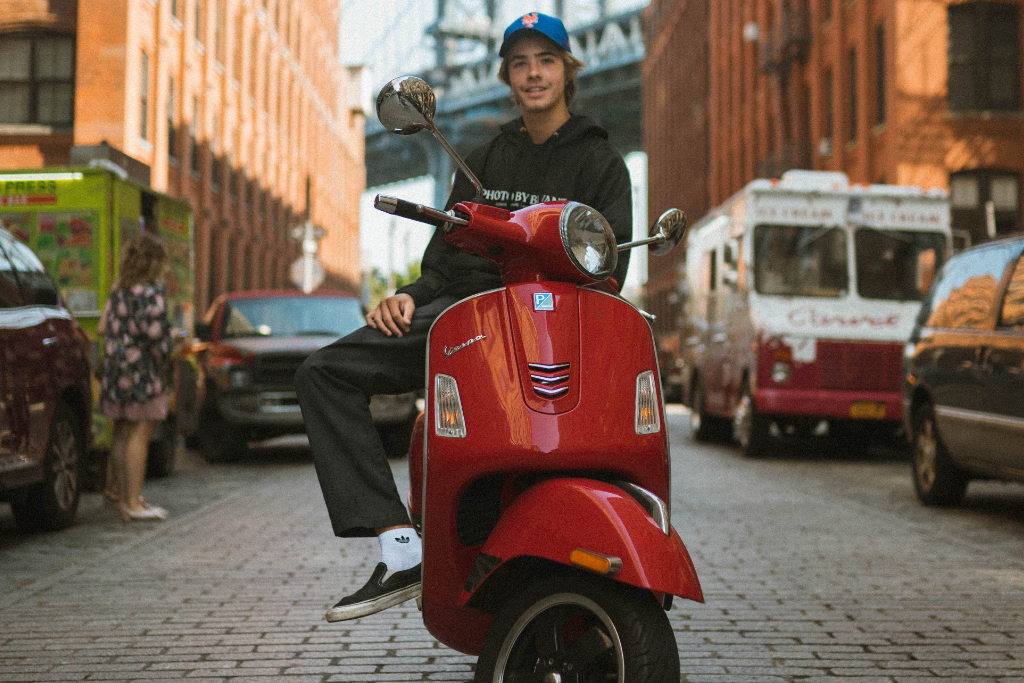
530, 20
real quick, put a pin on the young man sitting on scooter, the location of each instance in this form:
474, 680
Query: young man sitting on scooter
546, 155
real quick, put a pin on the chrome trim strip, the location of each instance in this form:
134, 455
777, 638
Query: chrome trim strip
541, 367
551, 393
658, 509
550, 380
987, 419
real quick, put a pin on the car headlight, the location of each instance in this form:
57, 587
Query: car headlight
588, 240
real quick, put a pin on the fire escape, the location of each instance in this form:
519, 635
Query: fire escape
787, 43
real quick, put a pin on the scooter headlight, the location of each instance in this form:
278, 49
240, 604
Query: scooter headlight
588, 240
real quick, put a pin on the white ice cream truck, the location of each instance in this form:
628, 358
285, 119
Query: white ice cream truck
801, 293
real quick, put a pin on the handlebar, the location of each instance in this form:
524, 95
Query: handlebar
416, 212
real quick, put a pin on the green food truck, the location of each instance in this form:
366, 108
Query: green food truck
75, 220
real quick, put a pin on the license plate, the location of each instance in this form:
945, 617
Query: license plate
867, 410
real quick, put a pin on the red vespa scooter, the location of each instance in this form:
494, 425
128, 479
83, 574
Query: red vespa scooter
540, 474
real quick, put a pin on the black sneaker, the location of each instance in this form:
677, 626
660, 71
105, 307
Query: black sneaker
378, 593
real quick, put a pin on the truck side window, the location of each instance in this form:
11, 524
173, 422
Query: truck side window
711, 268
1012, 315
965, 296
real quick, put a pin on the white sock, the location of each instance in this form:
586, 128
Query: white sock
400, 549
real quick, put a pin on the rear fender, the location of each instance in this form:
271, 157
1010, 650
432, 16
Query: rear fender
555, 517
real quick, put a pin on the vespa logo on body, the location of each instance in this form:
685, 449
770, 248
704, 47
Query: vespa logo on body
449, 352
543, 301
810, 316
530, 20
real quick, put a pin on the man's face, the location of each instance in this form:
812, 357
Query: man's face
536, 74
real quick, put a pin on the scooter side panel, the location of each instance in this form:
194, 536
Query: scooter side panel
555, 517
504, 436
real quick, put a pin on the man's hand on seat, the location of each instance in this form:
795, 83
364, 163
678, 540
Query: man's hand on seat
393, 315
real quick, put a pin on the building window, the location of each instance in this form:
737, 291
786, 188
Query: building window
199, 21
218, 42
144, 97
194, 135
174, 8
826, 11
985, 203
852, 92
37, 79
984, 57
214, 163
880, 74
172, 133
827, 117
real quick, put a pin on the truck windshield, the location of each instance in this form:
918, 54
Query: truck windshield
797, 260
897, 265
287, 316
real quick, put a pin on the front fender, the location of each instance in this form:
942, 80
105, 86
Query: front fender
555, 517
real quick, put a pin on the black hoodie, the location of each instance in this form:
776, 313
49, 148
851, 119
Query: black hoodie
576, 163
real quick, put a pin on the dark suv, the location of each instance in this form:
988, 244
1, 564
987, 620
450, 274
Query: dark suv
251, 344
963, 393
45, 394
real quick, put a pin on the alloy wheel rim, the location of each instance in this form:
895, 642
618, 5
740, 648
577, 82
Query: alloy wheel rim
596, 642
925, 453
65, 464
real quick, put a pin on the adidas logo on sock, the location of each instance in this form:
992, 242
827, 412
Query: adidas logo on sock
402, 539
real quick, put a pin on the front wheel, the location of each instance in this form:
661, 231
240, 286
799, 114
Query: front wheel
576, 627
53, 503
936, 479
749, 428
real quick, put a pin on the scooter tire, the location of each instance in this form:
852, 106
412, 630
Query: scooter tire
600, 630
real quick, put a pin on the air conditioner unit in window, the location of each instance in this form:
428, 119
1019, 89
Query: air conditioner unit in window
825, 147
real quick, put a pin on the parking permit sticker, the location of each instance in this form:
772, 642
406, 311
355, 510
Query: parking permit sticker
543, 301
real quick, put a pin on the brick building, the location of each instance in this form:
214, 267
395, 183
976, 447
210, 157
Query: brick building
915, 92
676, 85
239, 106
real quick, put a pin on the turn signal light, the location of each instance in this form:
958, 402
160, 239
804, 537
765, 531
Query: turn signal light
607, 565
648, 421
448, 420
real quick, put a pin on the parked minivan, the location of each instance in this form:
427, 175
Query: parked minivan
963, 393
800, 295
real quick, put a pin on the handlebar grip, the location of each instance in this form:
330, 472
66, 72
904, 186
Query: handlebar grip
403, 209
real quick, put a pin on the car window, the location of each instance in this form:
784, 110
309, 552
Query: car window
963, 298
10, 287
37, 287
287, 316
1012, 314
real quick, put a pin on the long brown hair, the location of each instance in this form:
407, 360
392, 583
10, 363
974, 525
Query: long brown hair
143, 259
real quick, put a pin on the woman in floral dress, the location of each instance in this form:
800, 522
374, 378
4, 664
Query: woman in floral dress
134, 389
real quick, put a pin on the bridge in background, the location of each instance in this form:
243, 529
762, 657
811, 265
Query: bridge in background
472, 103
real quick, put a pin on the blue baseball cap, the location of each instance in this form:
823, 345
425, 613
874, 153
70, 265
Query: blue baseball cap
535, 22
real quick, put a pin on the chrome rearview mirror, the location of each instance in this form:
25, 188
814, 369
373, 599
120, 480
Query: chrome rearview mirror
670, 227
665, 234
406, 105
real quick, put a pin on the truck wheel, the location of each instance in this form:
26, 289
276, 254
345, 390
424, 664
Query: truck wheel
936, 479
575, 627
705, 428
749, 428
53, 503
219, 442
162, 449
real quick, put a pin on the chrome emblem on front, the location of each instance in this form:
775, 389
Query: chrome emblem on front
449, 352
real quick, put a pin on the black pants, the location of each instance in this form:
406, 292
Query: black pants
334, 387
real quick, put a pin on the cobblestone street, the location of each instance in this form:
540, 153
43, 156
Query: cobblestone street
816, 567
